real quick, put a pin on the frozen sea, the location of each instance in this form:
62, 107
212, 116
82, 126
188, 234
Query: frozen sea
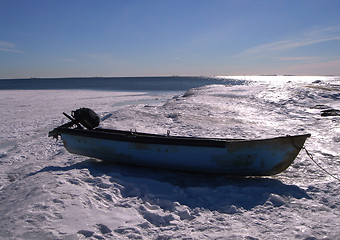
48, 193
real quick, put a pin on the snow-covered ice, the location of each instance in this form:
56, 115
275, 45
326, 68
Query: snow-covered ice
48, 193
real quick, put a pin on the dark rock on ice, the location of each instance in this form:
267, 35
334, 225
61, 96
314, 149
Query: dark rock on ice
86, 233
103, 228
320, 106
330, 112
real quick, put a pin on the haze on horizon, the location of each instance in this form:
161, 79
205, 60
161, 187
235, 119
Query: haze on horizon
45, 38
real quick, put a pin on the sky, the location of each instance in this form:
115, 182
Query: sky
108, 38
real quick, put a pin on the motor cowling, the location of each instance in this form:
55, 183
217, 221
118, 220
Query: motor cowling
86, 117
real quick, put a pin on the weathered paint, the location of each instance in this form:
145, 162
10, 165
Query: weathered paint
242, 158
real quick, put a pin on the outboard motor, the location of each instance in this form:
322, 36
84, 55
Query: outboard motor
86, 117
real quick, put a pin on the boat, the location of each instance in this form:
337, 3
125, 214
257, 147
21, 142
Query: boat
231, 157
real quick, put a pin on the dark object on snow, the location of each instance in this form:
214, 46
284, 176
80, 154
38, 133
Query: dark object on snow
86, 117
330, 112
320, 106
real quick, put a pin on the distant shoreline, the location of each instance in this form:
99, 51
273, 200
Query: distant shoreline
167, 76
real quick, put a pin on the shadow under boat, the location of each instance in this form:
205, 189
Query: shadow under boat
195, 190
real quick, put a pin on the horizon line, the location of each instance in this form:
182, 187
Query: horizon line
154, 76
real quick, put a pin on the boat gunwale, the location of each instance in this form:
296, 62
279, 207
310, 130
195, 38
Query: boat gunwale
148, 138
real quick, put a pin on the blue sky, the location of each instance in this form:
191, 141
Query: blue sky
65, 38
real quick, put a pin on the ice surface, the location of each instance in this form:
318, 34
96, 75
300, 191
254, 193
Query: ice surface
47, 193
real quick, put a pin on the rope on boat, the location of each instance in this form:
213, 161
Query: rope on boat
311, 157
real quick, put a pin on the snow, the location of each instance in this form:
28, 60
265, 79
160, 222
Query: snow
48, 193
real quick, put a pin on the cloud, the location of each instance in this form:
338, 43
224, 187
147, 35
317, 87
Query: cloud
299, 58
308, 38
8, 47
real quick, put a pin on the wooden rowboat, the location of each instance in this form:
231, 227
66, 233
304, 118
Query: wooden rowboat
235, 157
